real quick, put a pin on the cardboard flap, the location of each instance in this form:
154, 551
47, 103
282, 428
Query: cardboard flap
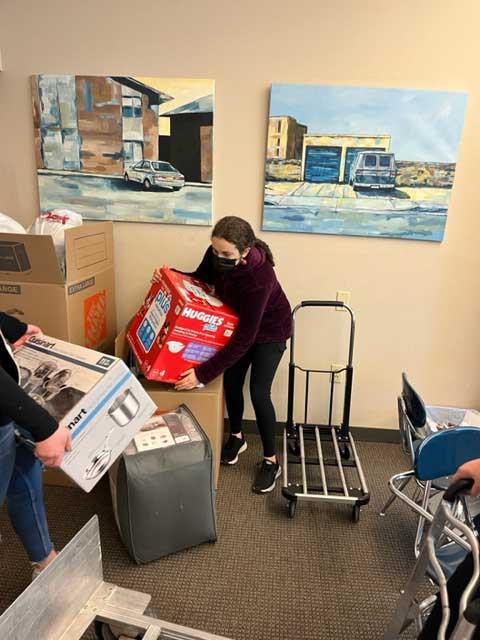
88, 249
28, 258
194, 291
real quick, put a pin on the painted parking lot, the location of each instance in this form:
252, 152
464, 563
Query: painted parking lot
332, 208
112, 199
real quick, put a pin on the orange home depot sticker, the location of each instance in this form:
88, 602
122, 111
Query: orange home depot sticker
95, 319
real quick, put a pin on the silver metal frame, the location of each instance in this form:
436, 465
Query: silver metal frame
408, 609
337, 435
407, 431
70, 594
396, 483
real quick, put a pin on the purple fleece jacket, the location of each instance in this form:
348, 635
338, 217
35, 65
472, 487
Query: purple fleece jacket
253, 291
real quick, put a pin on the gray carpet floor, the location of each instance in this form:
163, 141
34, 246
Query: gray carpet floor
318, 576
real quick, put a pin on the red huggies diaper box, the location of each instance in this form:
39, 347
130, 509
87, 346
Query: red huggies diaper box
180, 325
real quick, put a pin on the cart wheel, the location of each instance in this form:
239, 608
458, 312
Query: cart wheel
356, 513
292, 507
294, 448
345, 452
104, 632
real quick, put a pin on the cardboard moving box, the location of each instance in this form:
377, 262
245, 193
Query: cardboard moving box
206, 403
179, 326
96, 396
78, 306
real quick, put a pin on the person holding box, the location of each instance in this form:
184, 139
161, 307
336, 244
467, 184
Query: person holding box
241, 269
21, 482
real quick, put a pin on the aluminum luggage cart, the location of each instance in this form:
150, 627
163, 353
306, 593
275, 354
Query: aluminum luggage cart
429, 563
324, 436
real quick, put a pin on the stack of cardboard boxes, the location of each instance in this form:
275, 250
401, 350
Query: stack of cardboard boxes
77, 305
180, 324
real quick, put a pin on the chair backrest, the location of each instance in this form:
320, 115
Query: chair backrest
407, 432
414, 405
441, 453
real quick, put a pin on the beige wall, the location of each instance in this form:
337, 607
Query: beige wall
418, 304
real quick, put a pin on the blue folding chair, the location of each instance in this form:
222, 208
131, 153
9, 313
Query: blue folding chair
413, 430
412, 418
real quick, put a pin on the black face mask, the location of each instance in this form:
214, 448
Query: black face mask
223, 265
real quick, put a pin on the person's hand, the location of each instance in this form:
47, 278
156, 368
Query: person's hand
157, 277
52, 450
470, 470
188, 380
31, 331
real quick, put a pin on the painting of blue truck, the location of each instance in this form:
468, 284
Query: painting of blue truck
361, 161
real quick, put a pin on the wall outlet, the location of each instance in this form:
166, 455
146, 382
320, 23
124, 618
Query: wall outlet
338, 377
343, 296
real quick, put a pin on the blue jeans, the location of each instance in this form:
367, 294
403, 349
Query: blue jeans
21, 484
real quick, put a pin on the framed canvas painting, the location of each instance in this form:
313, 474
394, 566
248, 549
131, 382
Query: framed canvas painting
131, 149
361, 161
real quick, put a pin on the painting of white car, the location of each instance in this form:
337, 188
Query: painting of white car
152, 173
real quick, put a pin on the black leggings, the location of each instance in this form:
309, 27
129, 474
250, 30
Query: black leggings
264, 359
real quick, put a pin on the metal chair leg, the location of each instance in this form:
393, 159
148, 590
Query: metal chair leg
393, 497
421, 519
418, 492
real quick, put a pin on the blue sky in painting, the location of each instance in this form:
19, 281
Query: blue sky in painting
424, 125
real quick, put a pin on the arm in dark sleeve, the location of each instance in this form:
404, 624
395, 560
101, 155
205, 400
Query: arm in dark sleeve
17, 405
12, 328
253, 307
204, 271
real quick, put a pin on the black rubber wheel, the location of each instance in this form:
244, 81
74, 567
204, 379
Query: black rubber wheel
294, 448
147, 185
125, 177
292, 507
356, 513
345, 452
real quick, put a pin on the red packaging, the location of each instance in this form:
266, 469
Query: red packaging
180, 325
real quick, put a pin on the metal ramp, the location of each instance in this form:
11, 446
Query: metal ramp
70, 594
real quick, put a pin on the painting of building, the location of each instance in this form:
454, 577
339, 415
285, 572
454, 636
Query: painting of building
328, 158
373, 162
189, 145
97, 148
285, 138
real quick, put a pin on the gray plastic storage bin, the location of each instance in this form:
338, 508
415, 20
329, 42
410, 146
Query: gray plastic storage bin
164, 498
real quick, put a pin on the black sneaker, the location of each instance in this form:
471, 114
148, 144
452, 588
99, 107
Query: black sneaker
266, 476
232, 448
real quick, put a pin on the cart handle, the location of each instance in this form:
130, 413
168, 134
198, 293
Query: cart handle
324, 303
339, 304
456, 488
321, 303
